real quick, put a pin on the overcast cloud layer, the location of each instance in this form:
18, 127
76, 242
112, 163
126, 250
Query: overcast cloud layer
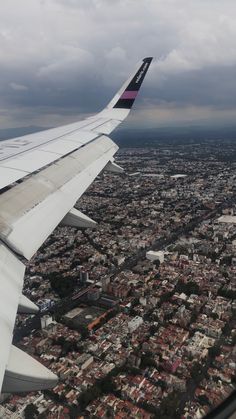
60, 59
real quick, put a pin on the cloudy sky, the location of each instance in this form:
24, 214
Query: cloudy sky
61, 60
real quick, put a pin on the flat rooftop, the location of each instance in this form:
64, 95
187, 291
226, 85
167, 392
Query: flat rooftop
84, 316
178, 175
227, 219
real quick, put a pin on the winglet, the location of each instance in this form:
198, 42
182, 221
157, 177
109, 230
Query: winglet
125, 97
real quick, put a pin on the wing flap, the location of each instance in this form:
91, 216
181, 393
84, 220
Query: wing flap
75, 218
24, 373
11, 276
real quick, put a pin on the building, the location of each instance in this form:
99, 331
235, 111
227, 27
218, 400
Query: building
93, 294
105, 282
46, 321
84, 361
134, 323
153, 256
84, 276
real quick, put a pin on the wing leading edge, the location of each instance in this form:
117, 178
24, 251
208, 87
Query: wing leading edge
54, 167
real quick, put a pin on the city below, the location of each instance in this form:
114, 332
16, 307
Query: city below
137, 315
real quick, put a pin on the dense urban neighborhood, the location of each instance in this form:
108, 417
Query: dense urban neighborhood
137, 316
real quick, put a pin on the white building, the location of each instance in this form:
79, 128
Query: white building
135, 323
105, 282
45, 321
234, 245
84, 361
152, 256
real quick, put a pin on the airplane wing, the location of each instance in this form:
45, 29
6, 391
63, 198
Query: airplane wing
42, 175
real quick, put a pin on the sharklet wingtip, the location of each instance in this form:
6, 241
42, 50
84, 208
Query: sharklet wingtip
128, 95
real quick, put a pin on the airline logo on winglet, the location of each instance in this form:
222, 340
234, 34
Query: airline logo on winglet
128, 96
142, 72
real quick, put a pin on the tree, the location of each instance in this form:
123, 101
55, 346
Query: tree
106, 385
31, 411
203, 400
88, 396
147, 361
73, 412
153, 329
157, 263
63, 286
224, 273
226, 329
169, 406
197, 372
214, 351
83, 331
194, 316
188, 288
166, 297
109, 412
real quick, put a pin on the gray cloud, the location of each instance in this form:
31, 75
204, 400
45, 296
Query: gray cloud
19, 87
59, 58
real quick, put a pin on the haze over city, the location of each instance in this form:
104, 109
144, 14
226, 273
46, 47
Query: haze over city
64, 59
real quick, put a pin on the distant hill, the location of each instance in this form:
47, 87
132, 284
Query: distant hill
171, 135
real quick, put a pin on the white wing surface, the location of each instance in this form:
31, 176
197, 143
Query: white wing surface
42, 175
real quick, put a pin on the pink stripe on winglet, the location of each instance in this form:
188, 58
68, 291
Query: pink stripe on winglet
129, 94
